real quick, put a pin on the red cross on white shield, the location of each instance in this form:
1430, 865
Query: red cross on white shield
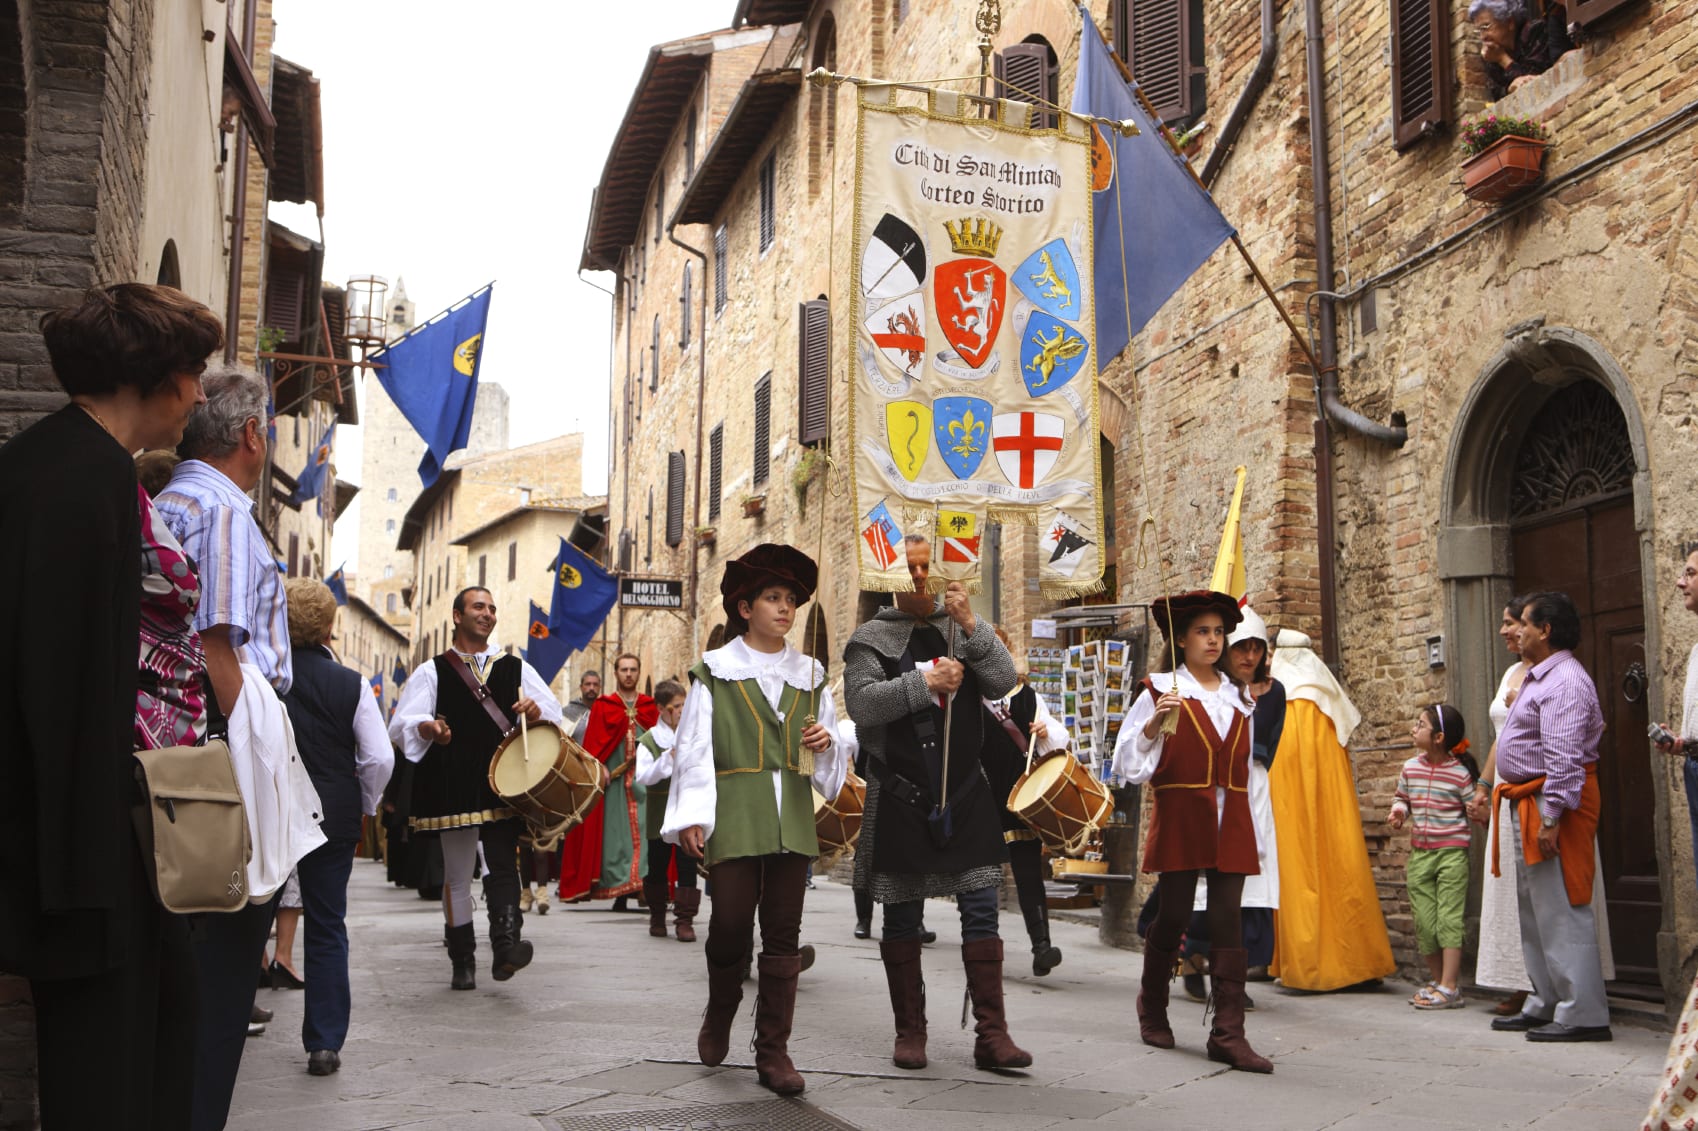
1027, 444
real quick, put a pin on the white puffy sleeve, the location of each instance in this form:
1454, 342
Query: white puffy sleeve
1136, 757
416, 705
1056, 737
831, 765
652, 769
694, 795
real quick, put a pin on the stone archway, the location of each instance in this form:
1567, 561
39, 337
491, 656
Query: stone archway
1549, 461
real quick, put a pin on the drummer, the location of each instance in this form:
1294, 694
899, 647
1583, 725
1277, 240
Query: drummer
447, 721
756, 728
1021, 733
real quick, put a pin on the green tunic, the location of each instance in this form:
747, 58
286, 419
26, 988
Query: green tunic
749, 743
622, 830
654, 810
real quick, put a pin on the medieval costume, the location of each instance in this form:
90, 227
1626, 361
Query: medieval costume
453, 801
601, 858
1009, 750
1200, 822
932, 825
742, 775
654, 774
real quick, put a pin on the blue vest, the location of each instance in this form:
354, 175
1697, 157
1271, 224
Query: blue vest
321, 705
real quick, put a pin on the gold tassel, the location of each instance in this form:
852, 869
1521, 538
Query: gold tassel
804, 756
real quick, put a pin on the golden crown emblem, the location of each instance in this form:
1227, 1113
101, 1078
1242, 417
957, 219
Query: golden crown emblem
974, 237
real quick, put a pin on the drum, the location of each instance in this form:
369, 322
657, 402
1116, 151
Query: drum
838, 822
546, 776
1061, 802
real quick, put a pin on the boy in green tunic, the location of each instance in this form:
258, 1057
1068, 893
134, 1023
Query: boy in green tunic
756, 732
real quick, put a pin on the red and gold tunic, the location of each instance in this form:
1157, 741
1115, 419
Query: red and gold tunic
1201, 813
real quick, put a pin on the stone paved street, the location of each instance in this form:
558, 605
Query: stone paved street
604, 1021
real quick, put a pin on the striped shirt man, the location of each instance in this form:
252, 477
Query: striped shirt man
1554, 728
240, 584
1434, 796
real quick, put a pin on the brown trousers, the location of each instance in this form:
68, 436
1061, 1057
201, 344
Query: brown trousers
771, 885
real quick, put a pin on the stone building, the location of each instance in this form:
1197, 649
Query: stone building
1501, 398
368, 643
513, 555
472, 492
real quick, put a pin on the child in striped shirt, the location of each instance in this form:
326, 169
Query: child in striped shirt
1433, 791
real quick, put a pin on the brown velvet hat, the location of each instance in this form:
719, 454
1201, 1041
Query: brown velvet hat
770, 563
1196, 601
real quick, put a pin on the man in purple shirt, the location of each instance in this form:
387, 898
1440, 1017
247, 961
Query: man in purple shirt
1553, 731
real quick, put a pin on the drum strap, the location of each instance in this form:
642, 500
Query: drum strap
1000, 710
480, 691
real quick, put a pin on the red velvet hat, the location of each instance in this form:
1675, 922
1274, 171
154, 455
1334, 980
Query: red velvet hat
770, 563
1196, 601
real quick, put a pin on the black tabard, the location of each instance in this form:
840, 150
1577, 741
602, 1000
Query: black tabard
453, 780
902, 843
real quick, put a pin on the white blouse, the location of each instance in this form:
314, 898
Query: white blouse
694, 797
650, 769
1056, 737
1136, 757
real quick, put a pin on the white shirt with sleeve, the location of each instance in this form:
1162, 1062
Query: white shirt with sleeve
1056, 736
694, 796
650, 769
417, 703
374, 755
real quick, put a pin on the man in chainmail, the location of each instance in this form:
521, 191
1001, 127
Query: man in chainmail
931, 826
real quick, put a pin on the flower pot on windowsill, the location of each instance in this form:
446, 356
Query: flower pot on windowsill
1505, 169
754, 506
706, 536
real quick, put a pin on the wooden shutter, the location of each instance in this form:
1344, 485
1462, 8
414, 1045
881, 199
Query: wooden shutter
1420, 69
721, 268
813, 371
684, 307
716, 469
654, 373
1589, 12
763, 428
1159, 41
1027, 73
674, 498
769, 189
285, 295
483, 564
512, 561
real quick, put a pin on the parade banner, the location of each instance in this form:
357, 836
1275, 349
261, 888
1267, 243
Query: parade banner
973, 385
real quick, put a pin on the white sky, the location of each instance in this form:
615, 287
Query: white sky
461, 144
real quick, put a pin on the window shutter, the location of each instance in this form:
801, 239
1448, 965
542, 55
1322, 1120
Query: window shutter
1157, 45
285, 293
684, 307
659, 209
716, 469
654, 373
1024, 72
674, 498
1588, 12
769, 189
720, 268
763, 428
512, 561
1420, 69
483, 563
813, 369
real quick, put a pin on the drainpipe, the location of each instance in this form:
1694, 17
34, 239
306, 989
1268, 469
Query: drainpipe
701, 398
1332, 409
1253, 87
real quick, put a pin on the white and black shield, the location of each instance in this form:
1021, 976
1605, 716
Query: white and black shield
894, 261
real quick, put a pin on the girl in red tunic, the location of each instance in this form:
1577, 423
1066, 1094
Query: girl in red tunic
1200, 822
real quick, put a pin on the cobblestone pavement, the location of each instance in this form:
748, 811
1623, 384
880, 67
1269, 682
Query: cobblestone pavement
604, 1022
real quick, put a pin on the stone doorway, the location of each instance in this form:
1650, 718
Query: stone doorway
1546, 487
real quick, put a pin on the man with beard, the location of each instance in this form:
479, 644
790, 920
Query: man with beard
454, 711
602, 857
931, 826
577, 712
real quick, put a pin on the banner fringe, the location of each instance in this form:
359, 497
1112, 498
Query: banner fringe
1062, 590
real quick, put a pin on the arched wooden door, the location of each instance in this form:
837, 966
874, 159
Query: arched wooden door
1571, 515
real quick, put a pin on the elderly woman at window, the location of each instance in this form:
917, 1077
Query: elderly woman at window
1516, 42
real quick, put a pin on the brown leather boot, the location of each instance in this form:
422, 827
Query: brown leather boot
654, 891
1226, 1039
907, 1000
775, 1007
687, 902
994, 1047
1152, 996
725, 994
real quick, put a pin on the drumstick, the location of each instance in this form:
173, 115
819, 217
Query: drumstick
948, 717
524, 737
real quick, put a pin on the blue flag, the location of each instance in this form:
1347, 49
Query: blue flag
399, 675
432, 376
1155, 225
310, 483
377, 686
583, 593
338, 586
547, 652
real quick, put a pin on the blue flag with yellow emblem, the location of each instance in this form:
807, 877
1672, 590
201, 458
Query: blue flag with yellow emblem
546, 653
432, 376
338, 586
583, 594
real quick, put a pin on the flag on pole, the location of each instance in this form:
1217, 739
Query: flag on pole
1155, 225
399, 675
338, 586
377, 686
432, 376
310, 483
547, 653
882, 536
1229, 576
583, 594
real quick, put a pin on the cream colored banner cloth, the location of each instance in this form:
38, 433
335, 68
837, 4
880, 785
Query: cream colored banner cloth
973, 385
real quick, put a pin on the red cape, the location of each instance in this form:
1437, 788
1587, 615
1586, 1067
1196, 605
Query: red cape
580, 851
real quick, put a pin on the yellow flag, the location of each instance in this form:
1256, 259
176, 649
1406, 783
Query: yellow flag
1229, 562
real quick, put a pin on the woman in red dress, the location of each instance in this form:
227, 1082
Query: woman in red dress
1200, 822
